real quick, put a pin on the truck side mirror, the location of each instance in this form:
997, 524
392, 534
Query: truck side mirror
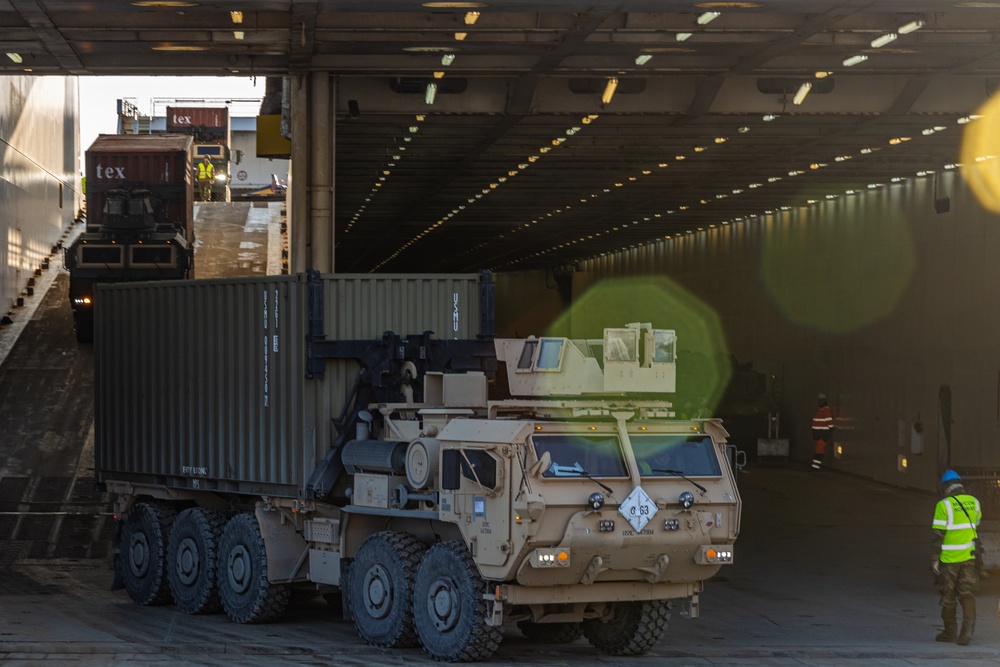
451, 469
238, 155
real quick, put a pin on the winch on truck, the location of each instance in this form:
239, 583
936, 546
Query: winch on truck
466, 483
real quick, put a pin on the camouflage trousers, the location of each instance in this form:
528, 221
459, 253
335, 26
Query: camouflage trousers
958, 581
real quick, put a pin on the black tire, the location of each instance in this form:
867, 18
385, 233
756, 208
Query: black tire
381, 589
448, 606
633, 629
192, 560
551, 633
144, 553
84, 329
247, 595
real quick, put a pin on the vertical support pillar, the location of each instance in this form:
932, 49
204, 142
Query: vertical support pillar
298, 173
313, 154
322, 137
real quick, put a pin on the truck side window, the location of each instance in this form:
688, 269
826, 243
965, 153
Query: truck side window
621, 344
577, 455
663, 350
484, 465
527, 352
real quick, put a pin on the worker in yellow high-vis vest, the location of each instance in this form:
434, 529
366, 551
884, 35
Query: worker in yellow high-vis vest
956, 518
206, 175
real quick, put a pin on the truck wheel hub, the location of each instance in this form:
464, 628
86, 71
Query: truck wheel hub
138, 555
378, 592
239, 569
188, 562
443, 605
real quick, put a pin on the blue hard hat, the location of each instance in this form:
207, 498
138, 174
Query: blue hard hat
949, 475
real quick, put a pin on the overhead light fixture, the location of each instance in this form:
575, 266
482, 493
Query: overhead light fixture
684, 36
427, 49
643, 59
823, 75
237, 16
708, 17
432, 89
178, 47
881, 41
800, 95
912, 26
438, 75
461, 36
172, 4
447, 59
471, 18
854, 60
768, 117
609, 90
16, 57
238, 34
453, 4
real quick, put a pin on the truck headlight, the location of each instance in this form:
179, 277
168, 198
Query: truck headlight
549, 558
714, 554
221, 176
595, 501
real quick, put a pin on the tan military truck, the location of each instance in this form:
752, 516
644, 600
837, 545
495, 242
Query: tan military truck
466, 483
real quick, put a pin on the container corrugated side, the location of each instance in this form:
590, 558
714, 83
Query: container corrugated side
211, 123
202, 384
159, 162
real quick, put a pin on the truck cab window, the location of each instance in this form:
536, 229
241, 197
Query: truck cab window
579, 455
689, 455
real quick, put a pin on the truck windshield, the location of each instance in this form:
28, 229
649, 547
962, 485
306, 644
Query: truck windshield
668, 455
581, 455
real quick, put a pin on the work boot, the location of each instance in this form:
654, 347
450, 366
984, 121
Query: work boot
946, 635
968, 621
950, 625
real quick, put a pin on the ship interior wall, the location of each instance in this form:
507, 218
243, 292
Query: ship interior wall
39, 174
885, 300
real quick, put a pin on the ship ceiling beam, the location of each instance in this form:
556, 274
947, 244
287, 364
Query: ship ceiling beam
51, 40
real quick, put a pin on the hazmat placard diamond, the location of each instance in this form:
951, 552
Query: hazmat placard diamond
637, 508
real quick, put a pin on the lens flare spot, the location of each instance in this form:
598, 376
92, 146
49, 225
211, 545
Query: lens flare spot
703, 366
839, 272
980, 154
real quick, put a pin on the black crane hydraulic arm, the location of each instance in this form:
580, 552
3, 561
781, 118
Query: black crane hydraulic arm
391, 369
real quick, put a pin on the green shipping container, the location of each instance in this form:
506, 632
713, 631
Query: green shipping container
204, 384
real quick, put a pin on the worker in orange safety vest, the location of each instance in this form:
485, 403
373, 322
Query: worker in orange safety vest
822, 430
